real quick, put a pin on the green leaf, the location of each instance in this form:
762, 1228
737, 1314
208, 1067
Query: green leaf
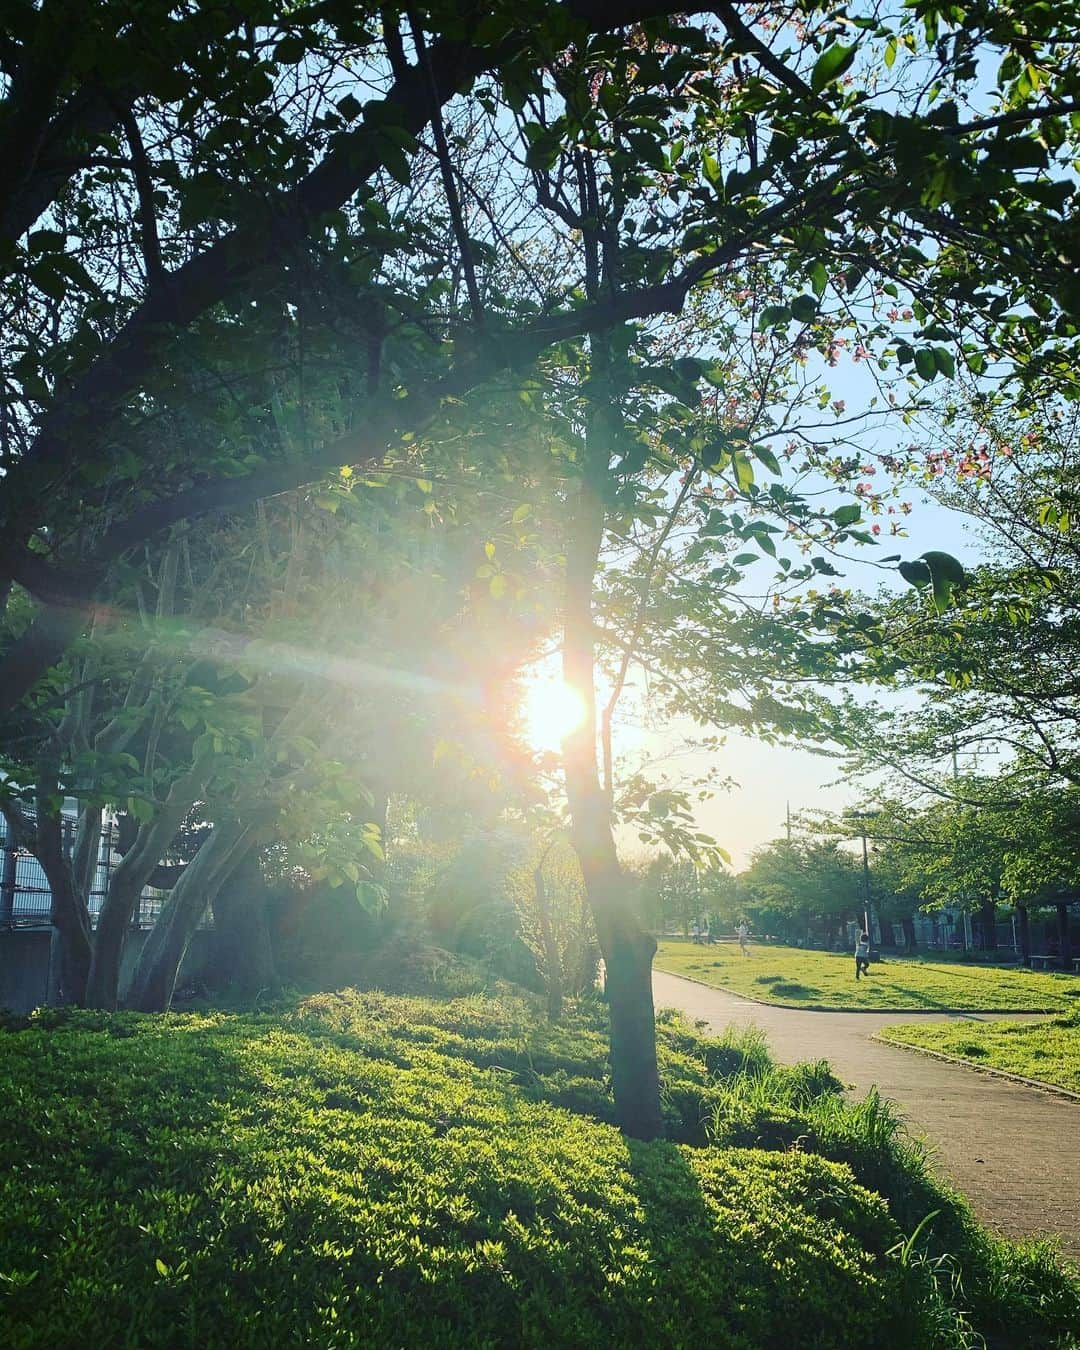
847, 515
915, 573
140, 808
926, 363
943, 589
946, 566
160, 1266
830, 65
688, 367
765, 543
945, 362
45, 241
766, 456
744, 471
744, 559
370, 896
712, 169
290, 51
521, 513
819, 278
772, 316
804, 308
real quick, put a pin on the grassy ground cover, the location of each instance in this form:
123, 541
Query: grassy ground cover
1048, 1051
795, 978
361, 1169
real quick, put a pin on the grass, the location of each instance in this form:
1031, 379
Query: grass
358, 1169
1046, 1051
794, 978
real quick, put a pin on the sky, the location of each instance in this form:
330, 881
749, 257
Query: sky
769, 778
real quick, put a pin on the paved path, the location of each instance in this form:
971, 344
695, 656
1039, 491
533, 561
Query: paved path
1011, 1149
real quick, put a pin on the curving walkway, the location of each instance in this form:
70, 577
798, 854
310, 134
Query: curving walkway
1010, 1149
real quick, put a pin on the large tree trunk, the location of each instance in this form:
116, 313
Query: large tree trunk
888, 937
626, 946
69, 949
130, 875
159, 962
908, 926
243, 953
1064, 939
988, 924
1025, 934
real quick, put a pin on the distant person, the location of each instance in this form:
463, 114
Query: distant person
862, 955
695, 932
742, 932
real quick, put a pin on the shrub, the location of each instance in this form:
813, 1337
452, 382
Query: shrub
217, 1180
373, 1169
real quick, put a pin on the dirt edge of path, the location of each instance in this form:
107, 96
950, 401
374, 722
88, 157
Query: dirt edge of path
844, 1008
988, 1070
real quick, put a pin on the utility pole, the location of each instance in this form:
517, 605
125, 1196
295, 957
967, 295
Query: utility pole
965, 918
862, 817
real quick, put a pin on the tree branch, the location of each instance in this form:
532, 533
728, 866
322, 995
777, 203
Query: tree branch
144, 187
446, 170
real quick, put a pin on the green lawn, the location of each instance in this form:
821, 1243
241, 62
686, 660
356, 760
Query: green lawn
1048, 1051
794, 978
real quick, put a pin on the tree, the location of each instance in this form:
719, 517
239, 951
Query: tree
982, 849
994, 676
655, 157
799, 881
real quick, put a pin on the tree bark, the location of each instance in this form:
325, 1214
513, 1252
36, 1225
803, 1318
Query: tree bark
1025, 935
908, 926
626, 947
69, 949
129, 877
888, 937
1064, 939
244, 956
159, 962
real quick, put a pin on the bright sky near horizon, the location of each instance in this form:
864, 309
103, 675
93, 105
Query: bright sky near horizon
768, 778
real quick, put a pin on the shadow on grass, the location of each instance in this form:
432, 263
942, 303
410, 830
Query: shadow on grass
727, 1222
792, 990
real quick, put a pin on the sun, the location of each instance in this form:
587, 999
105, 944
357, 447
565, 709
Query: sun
551, 710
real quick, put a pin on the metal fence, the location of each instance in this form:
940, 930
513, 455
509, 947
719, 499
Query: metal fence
25, 898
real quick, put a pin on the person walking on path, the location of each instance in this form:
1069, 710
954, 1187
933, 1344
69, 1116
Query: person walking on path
743, 933
862, 955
